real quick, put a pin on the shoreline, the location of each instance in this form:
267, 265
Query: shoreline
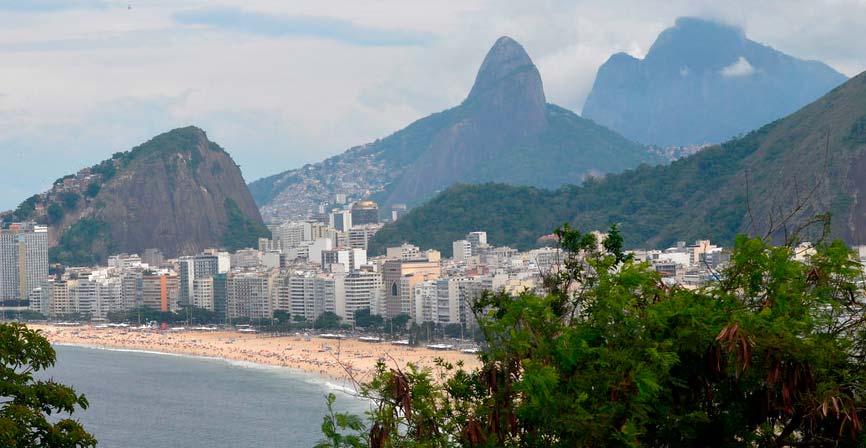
345, 388
344, 361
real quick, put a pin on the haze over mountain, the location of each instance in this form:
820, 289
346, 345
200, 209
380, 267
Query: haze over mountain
702, 82
178, 192
809, 163
504, 131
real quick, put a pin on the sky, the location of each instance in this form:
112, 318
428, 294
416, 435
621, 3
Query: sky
281, 83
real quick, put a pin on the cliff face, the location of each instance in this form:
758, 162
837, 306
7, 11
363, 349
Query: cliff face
178, 192
174, 194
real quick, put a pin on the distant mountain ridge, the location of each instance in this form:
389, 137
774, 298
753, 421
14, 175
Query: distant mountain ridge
807, 164
178, 192
702, 82
504, 131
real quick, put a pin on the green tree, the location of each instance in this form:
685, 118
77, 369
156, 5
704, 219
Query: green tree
453, 330
93, 189
69, 199
398, 323
771, 355
242, 231
283, 316
364, 319
26, 402
327, 321
55, 213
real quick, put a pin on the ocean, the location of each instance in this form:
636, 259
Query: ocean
140, 399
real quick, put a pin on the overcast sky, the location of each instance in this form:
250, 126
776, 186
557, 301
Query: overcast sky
280, 83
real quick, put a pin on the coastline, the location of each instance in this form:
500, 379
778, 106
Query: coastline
343, 362
345, 385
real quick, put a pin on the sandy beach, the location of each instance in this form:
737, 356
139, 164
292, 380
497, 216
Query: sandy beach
338, 360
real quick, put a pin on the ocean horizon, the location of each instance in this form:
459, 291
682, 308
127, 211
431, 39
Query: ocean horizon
150, 398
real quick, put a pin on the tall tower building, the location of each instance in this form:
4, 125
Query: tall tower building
400, 278
365, 212
23, 259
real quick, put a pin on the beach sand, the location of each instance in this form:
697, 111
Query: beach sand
339, 360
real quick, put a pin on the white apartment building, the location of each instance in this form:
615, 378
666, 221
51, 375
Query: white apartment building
360, 290
23, 259
248, 294
462, 251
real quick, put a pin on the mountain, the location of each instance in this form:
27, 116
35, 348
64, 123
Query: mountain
504, 131
178, 192
702, 82
789, 171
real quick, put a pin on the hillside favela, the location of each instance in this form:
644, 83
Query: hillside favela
391, 224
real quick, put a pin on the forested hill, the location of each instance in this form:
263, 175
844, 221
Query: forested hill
813, 161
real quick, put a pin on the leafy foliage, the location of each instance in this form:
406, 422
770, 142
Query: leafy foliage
773, 354
192, 314
364, 319
242, 231
106, 169
26, 402
336, 424
93, 189
282, 316
327, 321
25, 210
85, 243
69, 199
516, 216
55, 214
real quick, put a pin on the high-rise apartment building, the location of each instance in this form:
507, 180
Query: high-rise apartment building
364, 213
400, 278
248, 294
462, 250
340, 220
202, 266
156, 291
359, 236
311, 295
23, 259
203, 294
360, 290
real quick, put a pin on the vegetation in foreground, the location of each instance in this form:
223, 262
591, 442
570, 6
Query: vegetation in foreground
773, 354
27, 403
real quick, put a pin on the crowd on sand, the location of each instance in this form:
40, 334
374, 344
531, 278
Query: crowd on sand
343, 360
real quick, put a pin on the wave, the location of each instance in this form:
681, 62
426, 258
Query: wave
327, 383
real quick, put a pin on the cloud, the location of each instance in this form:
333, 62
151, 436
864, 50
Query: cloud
739, 68
275, 25
47, 5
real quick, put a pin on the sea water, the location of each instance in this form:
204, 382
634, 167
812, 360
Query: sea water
159, 400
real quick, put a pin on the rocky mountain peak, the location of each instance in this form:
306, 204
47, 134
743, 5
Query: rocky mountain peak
508, 86
700, 43
700, 82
